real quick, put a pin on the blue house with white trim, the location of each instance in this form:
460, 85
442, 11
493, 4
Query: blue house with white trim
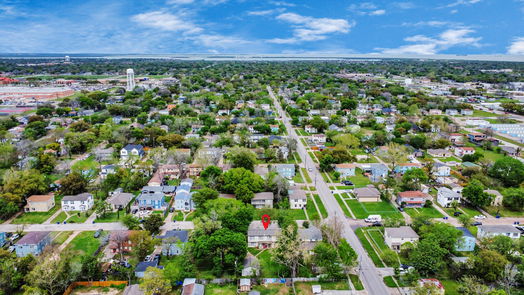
33, 243
466, 243
155, 200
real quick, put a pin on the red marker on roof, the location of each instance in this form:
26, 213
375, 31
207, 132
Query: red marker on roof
266, 220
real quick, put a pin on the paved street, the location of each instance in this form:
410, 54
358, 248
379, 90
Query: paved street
369, 275
85, 227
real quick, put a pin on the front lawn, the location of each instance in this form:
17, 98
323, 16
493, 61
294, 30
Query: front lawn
111, 217
450, 159
269, 268
427, 212
84, 244
37, 217
382, 208
478, 113
503, 211
213, 289
342, 204
304, 288
369, 249
311, 209
60, 237
298, 178
306, 175
74, 217
359, 180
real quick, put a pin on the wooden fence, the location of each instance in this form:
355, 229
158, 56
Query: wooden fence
73, 285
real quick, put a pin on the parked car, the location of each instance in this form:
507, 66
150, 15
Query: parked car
476, 223
148, 258
400, 209
404, 269
97, 233
376, 224
14, 237
156, 257
172, 209
457, 213
347, 182
480, 217
11, 248
310, 169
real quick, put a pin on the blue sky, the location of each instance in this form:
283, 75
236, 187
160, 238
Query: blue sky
246, 26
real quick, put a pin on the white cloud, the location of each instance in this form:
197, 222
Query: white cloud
462, 2
166, 21
517, 46
219, 41
366, 8
404, 5
427, 45
431, 23
378, 12
311, 29
179, 2
266, 12
282, 3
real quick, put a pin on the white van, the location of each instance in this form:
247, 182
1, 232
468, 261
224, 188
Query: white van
373, 218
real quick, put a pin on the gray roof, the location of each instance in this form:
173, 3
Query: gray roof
33, 238
184, 196
311, 233
79, 197
143, 265
181, 235
263, 196
502, 228
151, 188
245, 282
493, 192
400, 232
366, 192
130, 147
297, 194
121, 199
465, 232
257, 229
154, 196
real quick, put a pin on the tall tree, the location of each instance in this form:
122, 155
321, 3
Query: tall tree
153, 223
143, 244
73, 183
154, 282
326, 257
508, 170
474, 193
288, 250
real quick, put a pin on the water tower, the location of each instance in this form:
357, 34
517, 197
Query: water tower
130, 80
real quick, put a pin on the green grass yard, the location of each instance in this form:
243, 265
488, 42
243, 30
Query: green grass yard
367, 246
298, 178
359, 180
450, 159
427, 212
342, 205
363, 210
73, 218
503, 212
478, 113
311, 209
306, 175
111, 217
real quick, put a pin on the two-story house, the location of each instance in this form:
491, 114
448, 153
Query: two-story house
297, 198
319, 138
32, 243
80, 202
442, 170
310, 129
132, 150
184, 201
259, 237
173, 242
412, 199
445, 196
40, 203
346, 169
263, 200
151, 201
476, 138
395, 237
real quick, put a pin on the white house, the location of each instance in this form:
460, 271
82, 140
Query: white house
80, 202
462, 151
445, 196
395, 237
441, 170
260, 237
263, 200
498, 230
318, 138
132, 150
310, 129
297, 198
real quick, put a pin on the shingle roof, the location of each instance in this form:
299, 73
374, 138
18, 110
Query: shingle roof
120, 199
297, 194
257, 229
39, 198
143, 265
79, 197
400, 232
311, 233
182, 235
502, 228
32, 238
465, 232
263, 196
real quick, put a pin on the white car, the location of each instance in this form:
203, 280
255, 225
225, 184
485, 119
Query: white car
310, 169
14, 237
480, 217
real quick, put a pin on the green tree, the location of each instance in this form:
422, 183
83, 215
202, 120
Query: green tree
242, 158
474, 193
131, 222
90, 269
326, 257
73, 183
390, 257
428, 257
244, 193
143, 244
201, 196
413, 178
348, 141
153, 223
241, 176
508, 170
225, 248
8, 155
347, 254
102, 208
154, 282
288, 250
45, 162
489, 265
513, 199
444, 234
25, 183
52, 275
170, 140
